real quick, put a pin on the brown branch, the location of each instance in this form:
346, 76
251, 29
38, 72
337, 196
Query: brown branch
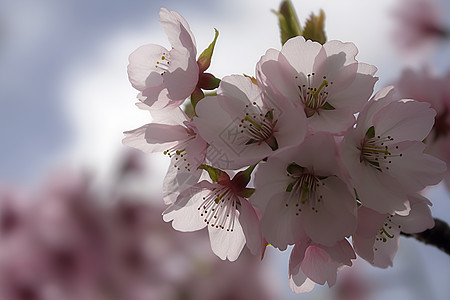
438, 236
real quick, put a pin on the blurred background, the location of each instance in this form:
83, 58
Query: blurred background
65, 100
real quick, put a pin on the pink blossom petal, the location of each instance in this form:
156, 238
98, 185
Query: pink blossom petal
335, 217
319, 266
136, 139
184, 213
406, 120
270, 178
183, 76
310, 51
384, 251
142, 69
342, 252
288, 227
161, 133
274, 72
332, 121
300, 283
380, 193
168, 115
227, 244
338, 47
360, 90
177, 30
415, 170
177, 181
298, 254
250, 225
419, 218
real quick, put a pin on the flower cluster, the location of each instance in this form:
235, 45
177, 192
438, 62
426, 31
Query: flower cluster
281, 158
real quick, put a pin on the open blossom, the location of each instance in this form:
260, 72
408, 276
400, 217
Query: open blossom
223, 207
173, 133
384, 152
425, 87
420, 26
166, 77
312, 263
245, 125
326, 83
377, 236
302, 192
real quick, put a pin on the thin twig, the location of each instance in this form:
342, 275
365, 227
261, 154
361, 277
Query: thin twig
438, 236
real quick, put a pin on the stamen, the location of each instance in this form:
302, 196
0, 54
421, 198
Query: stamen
377, 151
219, 208
162, 65
303, 190
259, 127
314, 99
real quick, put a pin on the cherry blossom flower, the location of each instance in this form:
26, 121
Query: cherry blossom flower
176, 135
425, 87
326, 83
166, 77
303, 192
420, 26
312, 263
246, 125
377, 236
223, 205
384, 152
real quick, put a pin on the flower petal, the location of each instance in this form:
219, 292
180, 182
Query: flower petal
250, 225
227, 244
184, 213
279, 225
319, 266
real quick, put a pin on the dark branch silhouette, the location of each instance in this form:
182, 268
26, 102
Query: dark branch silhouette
438, 236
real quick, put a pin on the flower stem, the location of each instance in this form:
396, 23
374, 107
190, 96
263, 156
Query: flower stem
438, 236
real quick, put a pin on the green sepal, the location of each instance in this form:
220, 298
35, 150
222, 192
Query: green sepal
204, 60
208, 81
315, 28
272, 143
196, 96
269, 115
328, 106
370, 133
375, 164
287, 21
246, 192
250, 141
293, 168
216, 175
290, 187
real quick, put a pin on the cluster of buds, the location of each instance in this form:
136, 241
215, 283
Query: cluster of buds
303, 154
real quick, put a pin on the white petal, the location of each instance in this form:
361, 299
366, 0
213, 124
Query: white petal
280, 225
142, 69
250, 225
309, 52
227, 244
335, 218
319, 266
184, 213
136, 139
405, 120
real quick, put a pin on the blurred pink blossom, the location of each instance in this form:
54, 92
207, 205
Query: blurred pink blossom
420, 26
